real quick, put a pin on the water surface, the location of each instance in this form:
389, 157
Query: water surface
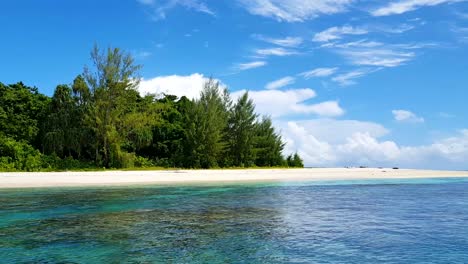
391, 221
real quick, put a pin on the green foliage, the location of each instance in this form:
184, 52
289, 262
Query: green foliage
63, 131
206, 127
295, 161
18, 156
113, 113
22, 108
53, 163
242, 132
168, 134
268, 145
142, 162
101, 120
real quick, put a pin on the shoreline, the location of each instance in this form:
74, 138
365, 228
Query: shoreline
9, 180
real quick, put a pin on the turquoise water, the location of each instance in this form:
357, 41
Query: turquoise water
384, 221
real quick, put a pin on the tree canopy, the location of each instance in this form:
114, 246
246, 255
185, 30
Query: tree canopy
101, 120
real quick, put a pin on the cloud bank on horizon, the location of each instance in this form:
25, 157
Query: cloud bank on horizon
325, 140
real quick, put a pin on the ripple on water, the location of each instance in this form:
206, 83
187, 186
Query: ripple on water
401, 221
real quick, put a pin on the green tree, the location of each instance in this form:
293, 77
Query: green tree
166, 148
242, 132
22, 110
62, 130
268, 145
295, 161
206, 127
113, 96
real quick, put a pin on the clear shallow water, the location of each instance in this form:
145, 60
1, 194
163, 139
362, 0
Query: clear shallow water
390, 221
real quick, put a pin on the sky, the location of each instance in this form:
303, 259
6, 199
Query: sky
346, 82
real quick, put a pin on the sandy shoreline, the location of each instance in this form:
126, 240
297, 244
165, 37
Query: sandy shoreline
121, 178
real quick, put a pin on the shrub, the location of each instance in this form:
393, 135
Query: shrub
18, 155
142, 162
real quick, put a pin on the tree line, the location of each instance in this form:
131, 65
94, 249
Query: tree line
101, 121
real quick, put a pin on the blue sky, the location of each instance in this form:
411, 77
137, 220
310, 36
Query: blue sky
347, 82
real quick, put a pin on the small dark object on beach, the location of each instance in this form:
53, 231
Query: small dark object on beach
396, 168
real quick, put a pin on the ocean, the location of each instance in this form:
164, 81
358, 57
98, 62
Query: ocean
381, 221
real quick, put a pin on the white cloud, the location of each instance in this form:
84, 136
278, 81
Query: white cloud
250, 65
318, 147
279, 103
395, 29
363, 43
274, 103
406, 116
319, 72
328, 108
294, 10
358, 143
281, 52
342, 129
348, 78
280, 83
378, 54
190, 85
335, 33
361, 148
160, 8
381, 57
366, 52
326, 141
403, 6
289, 42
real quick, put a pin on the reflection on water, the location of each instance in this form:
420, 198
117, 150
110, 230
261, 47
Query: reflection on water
392, 223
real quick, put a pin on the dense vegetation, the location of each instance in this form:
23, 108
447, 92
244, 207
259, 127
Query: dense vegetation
101, 121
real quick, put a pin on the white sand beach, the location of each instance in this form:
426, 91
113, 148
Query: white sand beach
125, 178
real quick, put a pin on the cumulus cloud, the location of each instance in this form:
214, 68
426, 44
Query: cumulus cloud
279, 103
318, 147
319, 72
359, 143
190, 85
326, 141
403, 6
160, 8
280, 83
328, 108
406, 116
294, 10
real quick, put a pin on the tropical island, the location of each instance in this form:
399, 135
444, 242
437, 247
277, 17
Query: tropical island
101, 121
100, 131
